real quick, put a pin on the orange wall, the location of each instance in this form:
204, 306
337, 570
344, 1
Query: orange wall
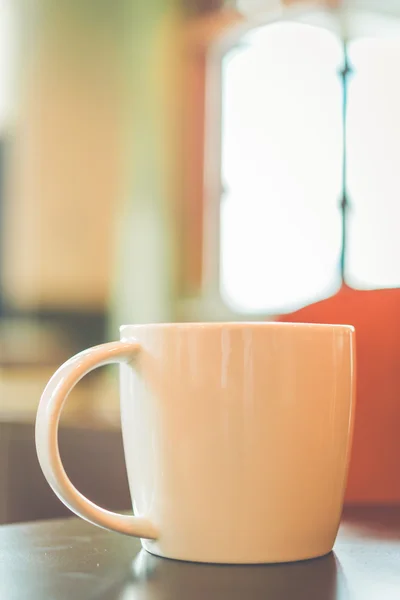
374, 472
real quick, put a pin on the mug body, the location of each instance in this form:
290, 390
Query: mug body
237, 437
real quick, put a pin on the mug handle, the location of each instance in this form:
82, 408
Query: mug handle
47, 420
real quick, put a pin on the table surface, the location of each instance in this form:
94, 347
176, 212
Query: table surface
70, 559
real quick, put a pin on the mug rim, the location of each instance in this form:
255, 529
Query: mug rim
237, 325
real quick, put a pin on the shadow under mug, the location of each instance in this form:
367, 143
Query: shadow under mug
236, 437
153, 578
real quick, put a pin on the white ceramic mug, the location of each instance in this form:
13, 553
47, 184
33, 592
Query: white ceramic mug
236, 437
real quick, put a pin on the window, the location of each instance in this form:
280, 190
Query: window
374, 164
281, 167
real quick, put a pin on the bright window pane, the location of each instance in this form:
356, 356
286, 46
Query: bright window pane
281, 169
373, 256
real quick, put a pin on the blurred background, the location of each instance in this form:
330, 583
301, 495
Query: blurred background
186, 160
